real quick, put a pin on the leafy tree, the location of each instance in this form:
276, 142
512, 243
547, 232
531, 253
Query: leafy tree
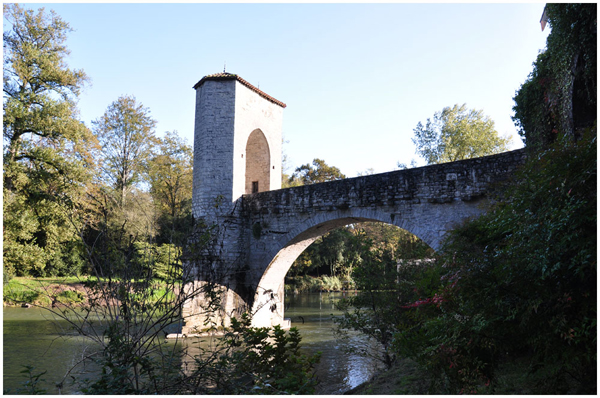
169, 173
160, 261
47, 150
318, 172
457, 133
125, 213
400, 243
126, 133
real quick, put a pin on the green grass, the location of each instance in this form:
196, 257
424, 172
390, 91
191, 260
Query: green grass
38, 291
15, 292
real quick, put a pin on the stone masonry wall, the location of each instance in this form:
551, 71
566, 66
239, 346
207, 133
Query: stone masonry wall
462, 181
213, 146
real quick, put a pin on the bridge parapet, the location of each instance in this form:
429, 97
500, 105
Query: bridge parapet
464, 180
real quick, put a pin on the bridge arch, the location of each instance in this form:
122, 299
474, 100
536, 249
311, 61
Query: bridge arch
258, 163
268, 306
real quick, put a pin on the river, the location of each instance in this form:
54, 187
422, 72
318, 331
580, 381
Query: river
31, 337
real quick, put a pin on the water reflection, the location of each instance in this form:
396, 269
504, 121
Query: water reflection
337, 371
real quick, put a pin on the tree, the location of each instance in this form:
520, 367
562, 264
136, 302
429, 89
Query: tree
123, 208
318, 172
126, 133
169, 173
457, 133
47, 150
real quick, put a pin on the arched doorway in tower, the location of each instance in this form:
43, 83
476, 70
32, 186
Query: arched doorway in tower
258, 163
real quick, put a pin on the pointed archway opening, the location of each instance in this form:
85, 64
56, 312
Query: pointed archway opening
258, 163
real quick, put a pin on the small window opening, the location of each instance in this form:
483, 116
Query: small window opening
254, 186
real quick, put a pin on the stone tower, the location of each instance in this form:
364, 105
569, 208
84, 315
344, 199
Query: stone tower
237, 142
237, 151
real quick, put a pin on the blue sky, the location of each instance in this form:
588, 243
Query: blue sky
356, 78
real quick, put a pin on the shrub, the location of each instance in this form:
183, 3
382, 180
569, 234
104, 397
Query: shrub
520, 281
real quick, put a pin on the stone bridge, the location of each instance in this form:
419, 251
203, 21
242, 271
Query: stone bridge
258, 232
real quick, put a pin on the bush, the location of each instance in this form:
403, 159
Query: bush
520, 282
264, 361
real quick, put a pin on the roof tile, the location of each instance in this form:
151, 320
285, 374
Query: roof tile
232, 76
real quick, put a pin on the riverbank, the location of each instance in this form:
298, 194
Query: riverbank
404, 378
407, 378
316, 284
43, 292
75, 291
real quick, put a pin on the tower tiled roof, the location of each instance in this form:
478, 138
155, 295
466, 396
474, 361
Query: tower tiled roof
232, 76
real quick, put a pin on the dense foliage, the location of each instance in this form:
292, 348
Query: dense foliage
264, 361
520, 282
71, 193
559, 96
340, 252
169, 174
